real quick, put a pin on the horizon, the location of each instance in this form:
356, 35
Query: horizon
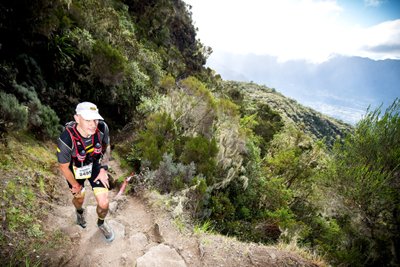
300, 29
303, 31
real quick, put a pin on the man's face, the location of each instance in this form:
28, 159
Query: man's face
86, 127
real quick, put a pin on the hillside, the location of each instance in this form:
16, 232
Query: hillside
307, 119
342, 87
146, 231
235, 159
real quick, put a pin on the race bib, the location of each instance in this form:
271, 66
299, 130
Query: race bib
83, 172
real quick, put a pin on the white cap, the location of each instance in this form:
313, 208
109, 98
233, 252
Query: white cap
88, 111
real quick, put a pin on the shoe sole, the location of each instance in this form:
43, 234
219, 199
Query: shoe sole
110, 239
81, 225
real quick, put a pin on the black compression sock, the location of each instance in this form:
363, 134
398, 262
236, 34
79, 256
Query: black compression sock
100, 221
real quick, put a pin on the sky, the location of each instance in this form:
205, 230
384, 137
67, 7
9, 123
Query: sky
300, 29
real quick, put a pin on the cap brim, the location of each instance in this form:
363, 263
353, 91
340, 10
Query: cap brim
91, 116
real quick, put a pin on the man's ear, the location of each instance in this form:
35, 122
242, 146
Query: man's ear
76, 117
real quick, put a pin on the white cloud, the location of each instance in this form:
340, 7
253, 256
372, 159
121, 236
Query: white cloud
288, 29
381, 41
372, 3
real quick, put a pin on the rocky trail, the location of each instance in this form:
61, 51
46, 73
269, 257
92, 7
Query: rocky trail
147, 235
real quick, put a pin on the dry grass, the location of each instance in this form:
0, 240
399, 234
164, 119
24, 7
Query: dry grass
305, 253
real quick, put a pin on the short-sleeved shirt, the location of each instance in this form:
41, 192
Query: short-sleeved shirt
66, 149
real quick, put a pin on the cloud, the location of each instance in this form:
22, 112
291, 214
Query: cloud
385, 49
289, 29
381, 41
372, 3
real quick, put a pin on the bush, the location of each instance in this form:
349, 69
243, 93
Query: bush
171, 176
108, 64
14, 116
202, 152
157, 139
42, 120
46, 123
365, 175
198, 198
269, 123
222, 208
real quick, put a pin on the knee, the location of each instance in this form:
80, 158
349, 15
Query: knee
78, 200
103, 203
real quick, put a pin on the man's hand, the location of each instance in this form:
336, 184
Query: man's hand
103, 178
67, 173
76, 190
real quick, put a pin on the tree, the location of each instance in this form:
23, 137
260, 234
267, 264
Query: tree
366, 175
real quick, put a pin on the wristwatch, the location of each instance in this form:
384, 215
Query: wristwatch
105, 167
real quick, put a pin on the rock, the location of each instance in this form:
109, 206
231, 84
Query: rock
157, 236
113, 207
161, 256
138, 240
119, 229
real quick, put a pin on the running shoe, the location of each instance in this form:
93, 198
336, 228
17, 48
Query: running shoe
107, 232
80, 220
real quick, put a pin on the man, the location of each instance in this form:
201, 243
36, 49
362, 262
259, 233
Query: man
83, 152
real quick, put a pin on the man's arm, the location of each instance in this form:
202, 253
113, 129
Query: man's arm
103, 176
67, 173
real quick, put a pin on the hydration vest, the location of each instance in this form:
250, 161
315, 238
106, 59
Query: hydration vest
85, 154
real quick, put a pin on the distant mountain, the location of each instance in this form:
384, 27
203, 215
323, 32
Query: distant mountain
342, 87
317, 125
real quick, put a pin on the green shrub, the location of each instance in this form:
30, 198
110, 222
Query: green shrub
365, 177
222, 208
151, 63
50, 123
202, 152
199, 90
236, 95
42, 120
198, 198
108, 64
14, 116
171, 177
228, 108
167, 82
269, 123
155, 140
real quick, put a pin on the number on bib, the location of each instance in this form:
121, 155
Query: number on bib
83, 172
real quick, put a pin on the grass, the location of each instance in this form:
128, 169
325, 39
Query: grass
305, 253
180, 225
28, 181
205, 227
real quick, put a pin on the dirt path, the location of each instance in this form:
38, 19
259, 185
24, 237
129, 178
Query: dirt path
147, 235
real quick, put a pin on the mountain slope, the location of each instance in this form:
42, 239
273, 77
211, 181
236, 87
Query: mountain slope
316, 124
342, 87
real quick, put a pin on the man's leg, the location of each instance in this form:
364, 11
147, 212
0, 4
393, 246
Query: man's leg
101, 195
77, 201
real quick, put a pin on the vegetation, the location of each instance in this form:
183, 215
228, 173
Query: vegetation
365, 177
246, 160
28, 186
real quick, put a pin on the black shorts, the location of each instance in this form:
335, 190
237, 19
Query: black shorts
95, 172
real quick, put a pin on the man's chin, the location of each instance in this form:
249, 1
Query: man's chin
91, 132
